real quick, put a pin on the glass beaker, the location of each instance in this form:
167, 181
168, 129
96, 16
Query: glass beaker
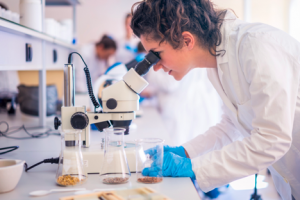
149, 160
70, 169
115, 168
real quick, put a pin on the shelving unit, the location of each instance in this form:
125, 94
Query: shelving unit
62, 2
47, 52
13, 38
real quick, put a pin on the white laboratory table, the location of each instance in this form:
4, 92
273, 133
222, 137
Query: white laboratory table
42, 177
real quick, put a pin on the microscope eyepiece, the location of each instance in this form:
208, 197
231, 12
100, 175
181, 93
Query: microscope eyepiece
150, 59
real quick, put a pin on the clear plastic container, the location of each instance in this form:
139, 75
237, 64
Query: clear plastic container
149, 154
70, 171
115, 168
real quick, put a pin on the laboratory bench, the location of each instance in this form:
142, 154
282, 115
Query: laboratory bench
42, 177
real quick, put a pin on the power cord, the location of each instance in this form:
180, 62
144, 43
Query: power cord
49, 160
88, 80
45, 134
12, 148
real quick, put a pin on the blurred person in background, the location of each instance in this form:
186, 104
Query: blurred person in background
127, 45
98, 58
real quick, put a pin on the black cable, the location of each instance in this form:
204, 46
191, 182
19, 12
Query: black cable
11, 148
88, 81
49, 160
45, 134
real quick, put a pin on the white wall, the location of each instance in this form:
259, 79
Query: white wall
272, 12
96, 17
235, 5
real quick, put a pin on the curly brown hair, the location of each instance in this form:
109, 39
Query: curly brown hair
166, 20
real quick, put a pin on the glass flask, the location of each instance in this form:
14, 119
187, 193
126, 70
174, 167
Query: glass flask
149, 160
70, 169
115, 168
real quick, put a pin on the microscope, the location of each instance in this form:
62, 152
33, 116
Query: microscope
119, 103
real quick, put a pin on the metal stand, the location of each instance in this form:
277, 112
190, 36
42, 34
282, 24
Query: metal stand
255, 196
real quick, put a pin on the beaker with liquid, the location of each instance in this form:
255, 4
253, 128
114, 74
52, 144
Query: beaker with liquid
70, 169
149, 160
115, 168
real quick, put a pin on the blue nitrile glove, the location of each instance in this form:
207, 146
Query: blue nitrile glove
173, 166
176, 150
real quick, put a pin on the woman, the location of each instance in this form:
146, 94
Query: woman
254, 68
98, 58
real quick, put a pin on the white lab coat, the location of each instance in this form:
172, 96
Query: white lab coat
258, 81
96, 66
178, 101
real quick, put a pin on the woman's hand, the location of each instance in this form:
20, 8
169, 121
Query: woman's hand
180, 151
173, 166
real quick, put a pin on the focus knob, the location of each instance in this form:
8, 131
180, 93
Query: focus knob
111, 103
79, 120
57, 123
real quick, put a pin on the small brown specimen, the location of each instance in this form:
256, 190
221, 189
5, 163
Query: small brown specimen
67, 180
150, 179
115, 180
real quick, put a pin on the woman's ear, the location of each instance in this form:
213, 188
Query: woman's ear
188, 40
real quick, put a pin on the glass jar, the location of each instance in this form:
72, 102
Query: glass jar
149, 160
115, 168
70, 169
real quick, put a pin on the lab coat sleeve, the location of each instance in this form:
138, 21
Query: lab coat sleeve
215, 137
273, 87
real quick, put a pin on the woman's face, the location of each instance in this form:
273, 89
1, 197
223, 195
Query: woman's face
176, 62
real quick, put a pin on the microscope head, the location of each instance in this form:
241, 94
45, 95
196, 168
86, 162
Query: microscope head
123, 95
133, 78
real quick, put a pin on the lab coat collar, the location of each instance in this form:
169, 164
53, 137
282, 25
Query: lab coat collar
226, 27
216, 76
